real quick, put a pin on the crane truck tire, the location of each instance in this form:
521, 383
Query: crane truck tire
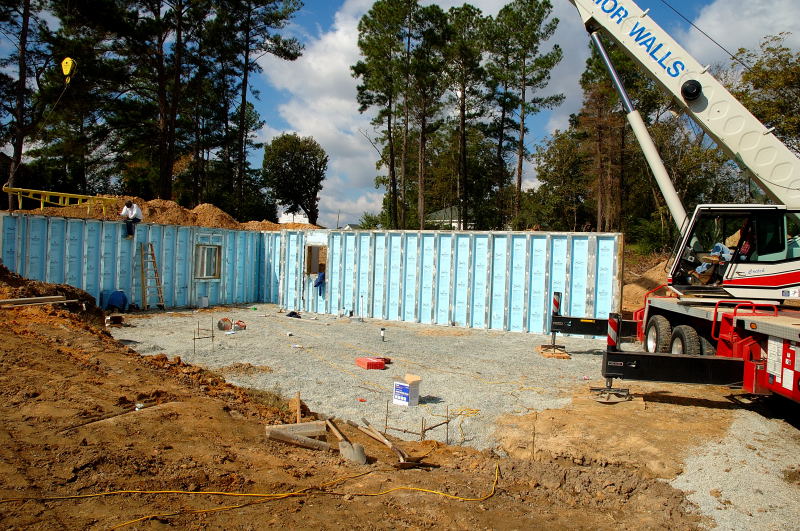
685, 341
658, 334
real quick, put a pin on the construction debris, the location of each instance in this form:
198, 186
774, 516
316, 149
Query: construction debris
115, 319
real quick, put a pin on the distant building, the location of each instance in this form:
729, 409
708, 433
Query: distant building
292, 218
447, 218
352, 226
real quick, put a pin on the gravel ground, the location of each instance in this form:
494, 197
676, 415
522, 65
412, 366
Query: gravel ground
475, 374
741, 481
746, 480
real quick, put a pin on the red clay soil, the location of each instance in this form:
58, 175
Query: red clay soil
167, 213
86, 421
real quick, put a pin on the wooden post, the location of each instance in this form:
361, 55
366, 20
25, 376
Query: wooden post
299, 408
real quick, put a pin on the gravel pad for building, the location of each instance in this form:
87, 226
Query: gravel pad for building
474, 375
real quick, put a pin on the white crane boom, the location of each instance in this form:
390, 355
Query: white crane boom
771, 164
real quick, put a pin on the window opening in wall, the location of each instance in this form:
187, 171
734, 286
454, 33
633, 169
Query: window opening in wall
207, 262
316, 257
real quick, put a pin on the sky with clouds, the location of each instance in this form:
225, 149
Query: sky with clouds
315, 95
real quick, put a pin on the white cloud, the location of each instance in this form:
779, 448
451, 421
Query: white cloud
740, 24
323, 105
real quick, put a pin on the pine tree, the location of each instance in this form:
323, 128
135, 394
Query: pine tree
380, 40
529, 24
463, 54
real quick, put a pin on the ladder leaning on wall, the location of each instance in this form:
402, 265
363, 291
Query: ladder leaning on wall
151, 280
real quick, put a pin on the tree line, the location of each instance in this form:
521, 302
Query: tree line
161, 104
450, 93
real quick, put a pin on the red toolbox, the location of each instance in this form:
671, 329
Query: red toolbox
371, 363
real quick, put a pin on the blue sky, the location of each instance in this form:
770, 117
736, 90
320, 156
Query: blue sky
315, 95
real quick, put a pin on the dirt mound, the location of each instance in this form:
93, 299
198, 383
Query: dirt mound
633, 292
210, 216
261, 225
165, 212
298, 226
13, 286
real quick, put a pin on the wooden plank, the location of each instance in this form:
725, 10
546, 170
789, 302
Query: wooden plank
299, 440
306, 429
5, 306
31, 300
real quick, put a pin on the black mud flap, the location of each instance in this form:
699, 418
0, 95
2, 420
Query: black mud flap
675, 368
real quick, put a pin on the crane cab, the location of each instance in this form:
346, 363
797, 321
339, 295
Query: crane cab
739, 251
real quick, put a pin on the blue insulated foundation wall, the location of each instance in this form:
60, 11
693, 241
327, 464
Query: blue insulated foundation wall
493, 280
196, 264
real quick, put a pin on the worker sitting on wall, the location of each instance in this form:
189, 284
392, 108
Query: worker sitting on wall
133, 215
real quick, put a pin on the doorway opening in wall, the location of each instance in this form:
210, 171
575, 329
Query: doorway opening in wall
207, 261
316, 257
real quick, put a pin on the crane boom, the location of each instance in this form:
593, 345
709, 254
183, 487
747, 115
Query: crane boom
772, 165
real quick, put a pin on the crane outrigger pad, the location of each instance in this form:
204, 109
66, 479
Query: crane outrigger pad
611, 395
674, 368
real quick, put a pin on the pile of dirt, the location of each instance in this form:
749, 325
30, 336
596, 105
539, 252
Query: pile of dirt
261, 225
636, 286
85, 415
165, 212
13, 286
207, 215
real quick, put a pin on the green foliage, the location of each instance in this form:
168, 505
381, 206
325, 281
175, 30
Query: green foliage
159, 105
465, 80
770, 87
561, 202
371, 221
294, 168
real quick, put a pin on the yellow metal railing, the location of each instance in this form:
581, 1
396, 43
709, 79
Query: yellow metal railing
60, 198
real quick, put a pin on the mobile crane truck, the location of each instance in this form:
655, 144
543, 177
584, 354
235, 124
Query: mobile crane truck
724, 320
